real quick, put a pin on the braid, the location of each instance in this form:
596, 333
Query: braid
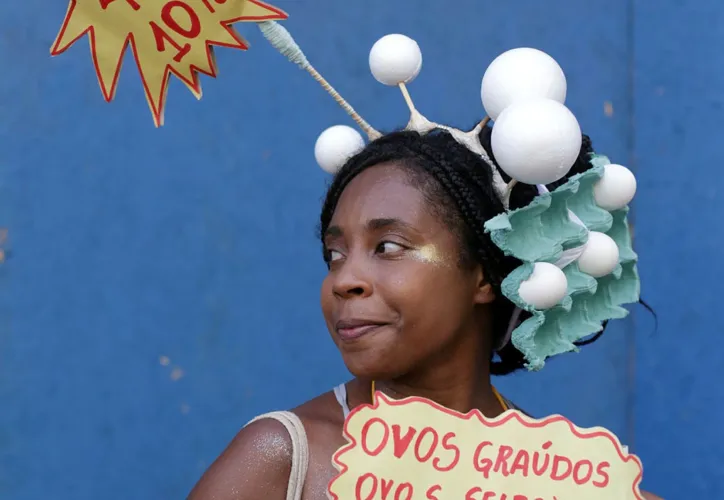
459, 184
461, 195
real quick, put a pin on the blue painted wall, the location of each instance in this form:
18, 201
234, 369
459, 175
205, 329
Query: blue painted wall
679, 107
162, 286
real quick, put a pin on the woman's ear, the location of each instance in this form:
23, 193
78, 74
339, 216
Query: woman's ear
484, 293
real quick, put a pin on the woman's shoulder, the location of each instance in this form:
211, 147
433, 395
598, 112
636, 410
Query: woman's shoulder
263, 450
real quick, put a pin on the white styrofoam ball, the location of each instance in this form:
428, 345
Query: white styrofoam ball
545, 287
600, 255
536, 141
395, 59
335, 146
521, 74
616, 188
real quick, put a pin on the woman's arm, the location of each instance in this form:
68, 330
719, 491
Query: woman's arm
256, 464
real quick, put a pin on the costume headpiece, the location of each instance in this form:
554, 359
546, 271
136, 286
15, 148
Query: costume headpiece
578, 267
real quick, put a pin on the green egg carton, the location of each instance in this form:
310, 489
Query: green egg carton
540, 232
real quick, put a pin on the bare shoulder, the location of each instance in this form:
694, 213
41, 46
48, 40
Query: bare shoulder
258, 461
256, 464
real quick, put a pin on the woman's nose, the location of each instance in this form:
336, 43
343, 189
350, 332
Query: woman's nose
352, 279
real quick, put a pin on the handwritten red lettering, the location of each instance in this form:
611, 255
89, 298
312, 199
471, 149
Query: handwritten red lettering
426, 445
365, 435
471, 492
560, 476
433, 445
361, 481
430, 494
106, 3
167, 16
580, 480
601, 471
521, 463
162, 37
401, 443
539, 470
504, 453
447, 445
482, 464
386, 487
406, 489
367, 485
208, 5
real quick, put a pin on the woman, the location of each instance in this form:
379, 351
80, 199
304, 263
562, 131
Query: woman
412, 300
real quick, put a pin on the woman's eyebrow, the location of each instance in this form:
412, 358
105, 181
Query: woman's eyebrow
373, 225
333, 232
387, 223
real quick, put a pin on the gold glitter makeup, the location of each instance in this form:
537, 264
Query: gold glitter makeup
431, 255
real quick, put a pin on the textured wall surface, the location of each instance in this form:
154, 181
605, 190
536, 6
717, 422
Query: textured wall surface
162, 286
679, 107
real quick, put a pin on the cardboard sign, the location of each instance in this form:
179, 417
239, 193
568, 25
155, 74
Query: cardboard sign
166, 37
415, 449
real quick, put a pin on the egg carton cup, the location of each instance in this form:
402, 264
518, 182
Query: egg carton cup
541, 232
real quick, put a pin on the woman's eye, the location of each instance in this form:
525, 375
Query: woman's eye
389, 247
333, 255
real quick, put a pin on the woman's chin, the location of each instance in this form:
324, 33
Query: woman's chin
369, 367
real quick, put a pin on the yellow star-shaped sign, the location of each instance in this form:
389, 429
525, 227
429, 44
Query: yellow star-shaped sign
166, 36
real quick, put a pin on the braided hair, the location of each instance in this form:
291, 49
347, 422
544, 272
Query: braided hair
458, 187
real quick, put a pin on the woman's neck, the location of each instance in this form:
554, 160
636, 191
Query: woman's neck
458, 380
458, 395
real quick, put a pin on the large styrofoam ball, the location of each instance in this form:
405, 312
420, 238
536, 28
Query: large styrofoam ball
521, 74
616, 188
600, 255
335, 146
537, 141
545, 287
395, 59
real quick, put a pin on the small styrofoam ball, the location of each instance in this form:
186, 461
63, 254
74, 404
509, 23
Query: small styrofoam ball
335, 146
545, 287
600, 255
536, 141
616, 188
521, 74
395, 59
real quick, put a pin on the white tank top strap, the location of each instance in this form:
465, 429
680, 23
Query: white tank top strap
340, 392
300, 450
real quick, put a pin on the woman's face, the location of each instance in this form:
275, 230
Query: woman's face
395, 296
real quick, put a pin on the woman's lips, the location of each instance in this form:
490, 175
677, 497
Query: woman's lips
356, 328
